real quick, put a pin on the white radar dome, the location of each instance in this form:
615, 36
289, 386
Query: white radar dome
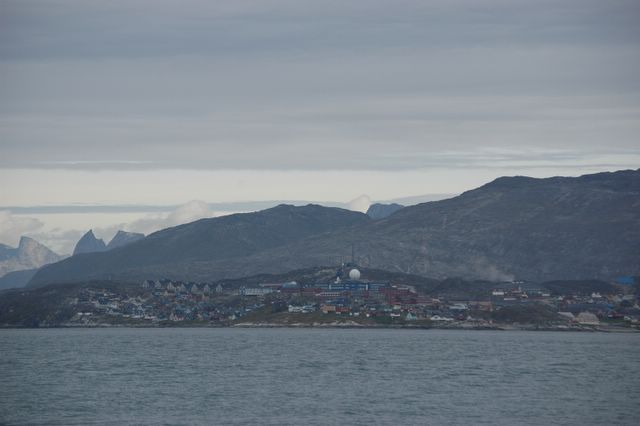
354, 274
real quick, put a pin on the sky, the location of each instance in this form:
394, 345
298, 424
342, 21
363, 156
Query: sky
140, 114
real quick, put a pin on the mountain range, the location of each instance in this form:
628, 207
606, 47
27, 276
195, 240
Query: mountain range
90, 244
511, 228
19, 265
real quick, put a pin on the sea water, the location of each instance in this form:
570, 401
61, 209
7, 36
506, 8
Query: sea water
187, 376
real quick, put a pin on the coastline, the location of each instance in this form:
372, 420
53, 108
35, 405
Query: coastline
345, 325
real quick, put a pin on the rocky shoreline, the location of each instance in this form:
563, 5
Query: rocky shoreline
346, 325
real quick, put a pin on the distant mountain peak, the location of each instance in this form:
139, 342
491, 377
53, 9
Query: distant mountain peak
24, 240
89, 244
122, 238
28, 255
30, 248
380, 210
28, 244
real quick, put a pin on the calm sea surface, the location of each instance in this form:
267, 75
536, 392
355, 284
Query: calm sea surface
311, 376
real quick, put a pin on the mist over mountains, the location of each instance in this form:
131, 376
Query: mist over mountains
513, 227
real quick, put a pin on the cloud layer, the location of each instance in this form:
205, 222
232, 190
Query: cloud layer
61, 231
13, 227
280, 85
193, 210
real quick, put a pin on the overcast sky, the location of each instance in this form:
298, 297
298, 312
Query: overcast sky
164, 102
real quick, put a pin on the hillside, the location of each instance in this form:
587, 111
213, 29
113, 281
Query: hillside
16, 279
179, 251
513, 227
536, 229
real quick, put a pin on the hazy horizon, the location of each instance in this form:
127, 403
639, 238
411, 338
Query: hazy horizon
106, 220
49, 221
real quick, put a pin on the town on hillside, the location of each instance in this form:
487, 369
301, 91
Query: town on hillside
349, 299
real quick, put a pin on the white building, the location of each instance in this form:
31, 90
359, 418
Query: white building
255, 291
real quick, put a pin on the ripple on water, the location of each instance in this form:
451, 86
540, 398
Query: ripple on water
310, 376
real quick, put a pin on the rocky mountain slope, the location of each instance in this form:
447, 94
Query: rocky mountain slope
513, 227
16, 279
197, 243
29, 254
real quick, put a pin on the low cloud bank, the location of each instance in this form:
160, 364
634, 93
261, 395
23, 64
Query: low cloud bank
13, 227
193, 210
63, 239
360, 204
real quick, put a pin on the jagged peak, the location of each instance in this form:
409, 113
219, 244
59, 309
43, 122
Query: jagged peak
24, 240
89, 243
28, 243
122, 238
